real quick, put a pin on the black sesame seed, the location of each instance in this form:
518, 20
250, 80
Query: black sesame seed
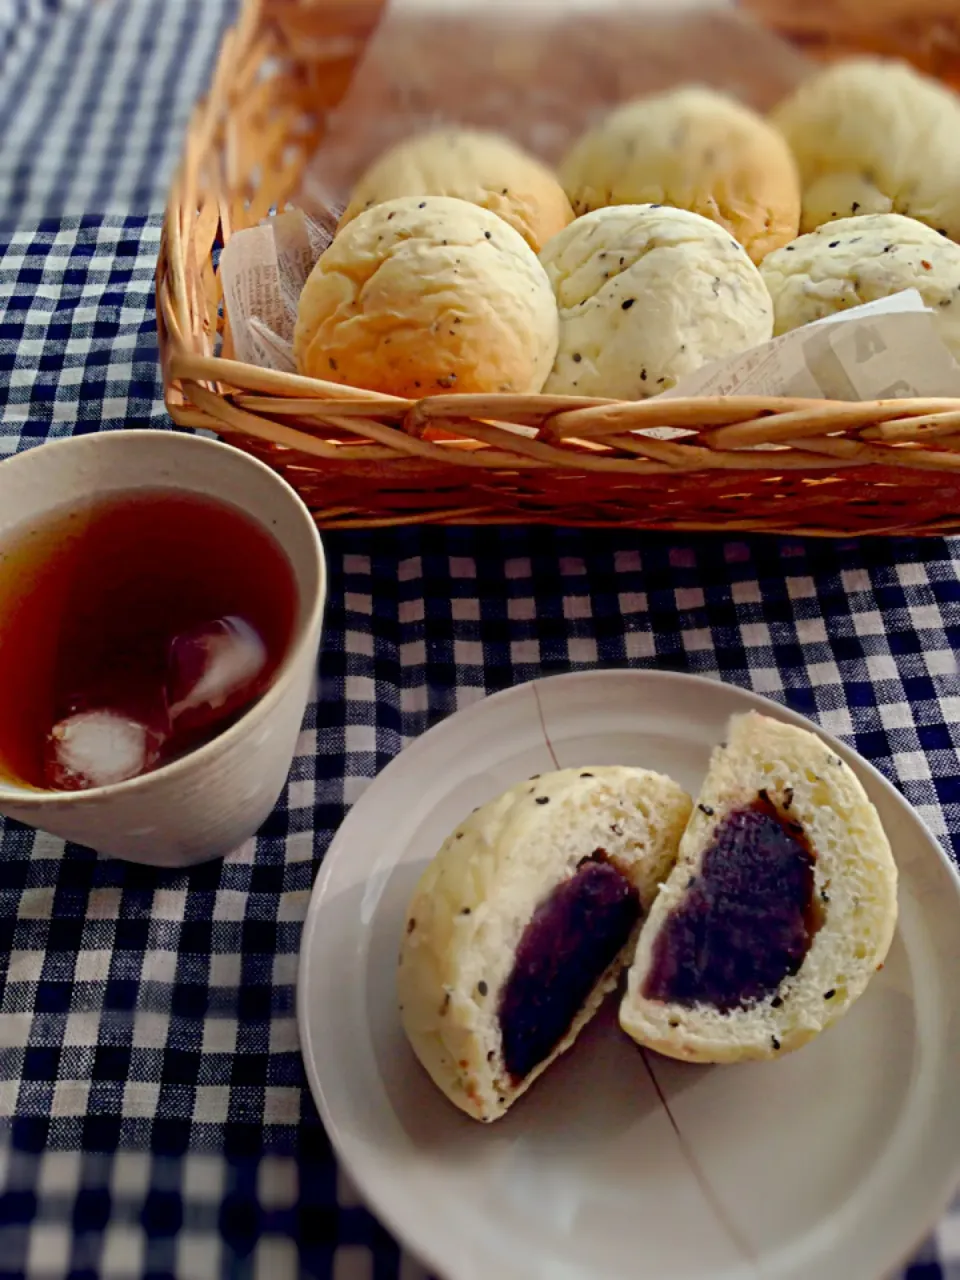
828, 995
824, 896
775, 1042
391, 215
543, 799
465, 911
643, 375
707, 809
422, 204
577, 357
332, 362
446, 1004
459, 835
833, 244
776, 1002
586, 775
692, 880
790, 248
501, 1100
490, 1056
488, 235
674, 1022
482, 987
855, 206
942, 230
627, 304
622, 261
411, 925
504, 191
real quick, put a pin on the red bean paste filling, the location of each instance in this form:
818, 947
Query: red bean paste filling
746, 921
572, 939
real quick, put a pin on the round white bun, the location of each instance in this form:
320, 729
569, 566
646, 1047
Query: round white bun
855, 889
855, 260
428, 296
647, 294
872, 135
697, 149
480, 892
482, 168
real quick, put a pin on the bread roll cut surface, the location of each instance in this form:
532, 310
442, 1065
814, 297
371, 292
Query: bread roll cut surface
780, 908
512, 913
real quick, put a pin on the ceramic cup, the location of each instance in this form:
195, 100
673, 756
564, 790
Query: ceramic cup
207, 802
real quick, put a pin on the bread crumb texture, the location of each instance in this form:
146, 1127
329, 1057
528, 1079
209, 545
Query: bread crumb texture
647, 294
428, 296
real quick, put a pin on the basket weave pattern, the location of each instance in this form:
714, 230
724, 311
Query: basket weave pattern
363, 459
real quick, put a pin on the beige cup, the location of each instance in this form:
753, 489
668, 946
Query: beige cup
211, 800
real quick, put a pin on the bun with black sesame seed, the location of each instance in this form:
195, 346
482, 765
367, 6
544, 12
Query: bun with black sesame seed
646, 295
863, 259
780, 908
696, 149
427, 296
523, 921
874, 135
483, 168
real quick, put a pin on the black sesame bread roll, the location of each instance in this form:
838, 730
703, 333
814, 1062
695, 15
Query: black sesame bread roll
523, 922
780, 908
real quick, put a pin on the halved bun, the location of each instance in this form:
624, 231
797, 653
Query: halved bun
780, 908
484, 992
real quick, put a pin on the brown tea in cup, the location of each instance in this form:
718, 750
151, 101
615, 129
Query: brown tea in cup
132, 630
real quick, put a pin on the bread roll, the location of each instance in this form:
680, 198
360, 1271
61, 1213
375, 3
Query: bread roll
860, 259
483, 168
428, 296
523, 921
696, 149
871, 135
779, 910
646, 295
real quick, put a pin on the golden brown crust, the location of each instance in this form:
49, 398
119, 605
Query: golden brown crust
694, 149
428, 296
482, 168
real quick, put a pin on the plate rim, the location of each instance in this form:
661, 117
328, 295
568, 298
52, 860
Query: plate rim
410, 1239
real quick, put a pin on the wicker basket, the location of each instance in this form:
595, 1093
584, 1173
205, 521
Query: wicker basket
362, 459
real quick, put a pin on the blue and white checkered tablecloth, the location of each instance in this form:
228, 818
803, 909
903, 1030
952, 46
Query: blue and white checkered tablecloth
154, 1119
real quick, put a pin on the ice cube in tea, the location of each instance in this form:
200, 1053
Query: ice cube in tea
214, 670
98, 748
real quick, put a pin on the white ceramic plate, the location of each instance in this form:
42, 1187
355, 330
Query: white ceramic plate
829, 1164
